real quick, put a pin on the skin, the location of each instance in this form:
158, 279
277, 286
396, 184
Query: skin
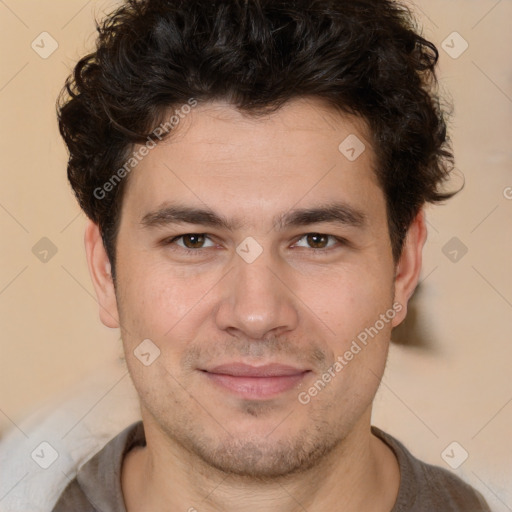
207, 448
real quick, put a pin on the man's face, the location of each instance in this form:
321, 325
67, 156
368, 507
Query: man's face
257, 294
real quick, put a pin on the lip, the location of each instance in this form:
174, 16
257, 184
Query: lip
255, 382
246, 370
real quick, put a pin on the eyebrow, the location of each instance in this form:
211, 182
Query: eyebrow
335, 213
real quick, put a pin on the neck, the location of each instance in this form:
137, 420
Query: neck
360, 474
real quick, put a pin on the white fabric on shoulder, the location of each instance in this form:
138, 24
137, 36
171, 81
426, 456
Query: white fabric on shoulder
39, 459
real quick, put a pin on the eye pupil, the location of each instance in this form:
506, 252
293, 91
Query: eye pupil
196, 241
317, 240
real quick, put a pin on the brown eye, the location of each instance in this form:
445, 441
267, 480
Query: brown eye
317, 240
320, 243
193, 241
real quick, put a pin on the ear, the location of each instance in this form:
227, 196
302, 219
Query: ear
409, 265
100, 270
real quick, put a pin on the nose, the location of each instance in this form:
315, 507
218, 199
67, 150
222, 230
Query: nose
257, 300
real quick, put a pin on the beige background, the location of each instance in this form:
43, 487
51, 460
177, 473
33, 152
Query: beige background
449, 377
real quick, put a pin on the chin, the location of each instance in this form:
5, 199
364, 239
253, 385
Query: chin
263, 458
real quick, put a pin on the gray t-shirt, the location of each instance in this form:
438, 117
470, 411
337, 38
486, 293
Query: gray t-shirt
423, 487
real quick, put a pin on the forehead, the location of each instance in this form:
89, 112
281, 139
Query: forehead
302, 153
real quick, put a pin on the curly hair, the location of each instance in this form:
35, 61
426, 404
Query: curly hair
361, 57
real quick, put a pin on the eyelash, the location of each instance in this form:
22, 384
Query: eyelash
171, 241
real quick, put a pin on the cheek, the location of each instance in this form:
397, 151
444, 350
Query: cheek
353, 301
156, 300
359, 313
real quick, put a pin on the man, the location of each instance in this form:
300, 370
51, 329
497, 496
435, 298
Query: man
255, 173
